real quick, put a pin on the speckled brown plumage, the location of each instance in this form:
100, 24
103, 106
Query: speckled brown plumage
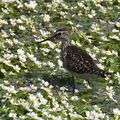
74, 58
79, 61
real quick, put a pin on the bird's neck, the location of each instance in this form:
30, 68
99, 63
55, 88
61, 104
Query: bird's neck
65, 43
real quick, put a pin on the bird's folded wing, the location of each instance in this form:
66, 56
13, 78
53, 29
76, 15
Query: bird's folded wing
77, 60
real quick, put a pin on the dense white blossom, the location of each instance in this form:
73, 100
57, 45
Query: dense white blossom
26, 89
31, 5
46, 18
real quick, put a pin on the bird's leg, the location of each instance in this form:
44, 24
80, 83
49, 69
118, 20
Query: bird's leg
90, 84
73, 82
68, 79
88, 80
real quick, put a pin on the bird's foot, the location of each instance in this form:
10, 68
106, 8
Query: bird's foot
88, 85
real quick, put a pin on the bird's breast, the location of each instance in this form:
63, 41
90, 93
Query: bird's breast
64, 52
63, 57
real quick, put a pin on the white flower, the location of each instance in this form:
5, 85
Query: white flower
17, 68
110, 95
115, 37
33, 115
104, 38
13, 22
97, 1
33, 87
44, 33
23, 117
23, 17
46, 18
24, 104
109, 89
64, 6
115, 31
114, 52
12, 101
117, 75
60, 63
3, 21
36, 104
102, 116
51, 44
20, 52
63, 88
89, 116
7, 95
75, 115
45, 50
118, 24
22, 58
110, 92
95, 114
103, 9
70, 22
58, 1
13, 115
62, 13
100, 66
97, 108
93, 13
19, 21
46, 83
15, 41
5, 1
97, 50
80, 4
39, 95
50, 64
7, 62
6, 81
95, 27
116, 112
74, 98
8, 56
107, 52
4, 34
33, 98
11, 89
21, 27
31, 5
38, 63
90, 16
30, 56
24, 88
43, 101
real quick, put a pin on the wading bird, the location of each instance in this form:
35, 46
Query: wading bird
75, 59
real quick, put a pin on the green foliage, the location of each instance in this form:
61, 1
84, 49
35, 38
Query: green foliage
24, 61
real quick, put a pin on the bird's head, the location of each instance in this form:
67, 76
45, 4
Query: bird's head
60, 34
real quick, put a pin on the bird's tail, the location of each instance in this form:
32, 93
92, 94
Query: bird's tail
102, 73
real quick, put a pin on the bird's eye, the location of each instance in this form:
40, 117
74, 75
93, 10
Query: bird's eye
59, 33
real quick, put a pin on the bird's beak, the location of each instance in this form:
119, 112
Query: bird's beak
49, 38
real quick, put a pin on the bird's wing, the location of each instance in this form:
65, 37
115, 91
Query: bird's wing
77, 60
